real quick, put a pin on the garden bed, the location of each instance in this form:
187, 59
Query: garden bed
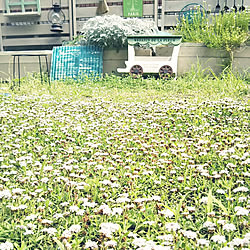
125, 163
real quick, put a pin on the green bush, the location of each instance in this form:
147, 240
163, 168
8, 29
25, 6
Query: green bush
224, 31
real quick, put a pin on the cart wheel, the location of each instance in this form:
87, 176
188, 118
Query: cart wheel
136, 71
166, 71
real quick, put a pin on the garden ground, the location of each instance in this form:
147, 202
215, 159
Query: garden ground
125, 163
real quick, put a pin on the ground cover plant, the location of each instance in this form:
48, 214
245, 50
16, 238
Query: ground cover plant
125, 163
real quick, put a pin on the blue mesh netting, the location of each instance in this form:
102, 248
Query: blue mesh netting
76, 62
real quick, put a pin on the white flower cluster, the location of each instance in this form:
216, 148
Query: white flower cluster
6, 246
108, 228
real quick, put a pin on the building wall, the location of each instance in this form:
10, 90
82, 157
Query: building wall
25, 32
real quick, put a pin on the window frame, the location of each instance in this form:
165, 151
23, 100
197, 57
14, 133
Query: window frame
22, 4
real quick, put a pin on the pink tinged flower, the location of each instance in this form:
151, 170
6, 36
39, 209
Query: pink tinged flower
218, 239
91, 245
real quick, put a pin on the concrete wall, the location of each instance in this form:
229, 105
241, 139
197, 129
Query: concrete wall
190, 54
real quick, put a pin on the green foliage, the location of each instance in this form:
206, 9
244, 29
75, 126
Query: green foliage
124, 162
112, 31
224, 31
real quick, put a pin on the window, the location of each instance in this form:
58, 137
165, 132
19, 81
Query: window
15, 7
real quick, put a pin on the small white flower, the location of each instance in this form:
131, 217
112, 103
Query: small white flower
240, 211
28, 232
31, 217
240, 189
80, 212
50, 230
209, 224
220, 191
45, 180
189, 234
6, 246
130, 235
172, 226
91, 244
204, 200
117, 210
229, 227
108, 228
66, 234
166, 237
167, 212
75, 228
105, 209
45, 221
57, 216
221, 222
139, 242
122, 200
218, 239
203, 242
73, 208
110, 243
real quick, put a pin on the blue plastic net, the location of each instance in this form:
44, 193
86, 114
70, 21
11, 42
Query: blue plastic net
76, 62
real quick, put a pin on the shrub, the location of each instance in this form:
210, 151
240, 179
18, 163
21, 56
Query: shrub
224, 31
112, 31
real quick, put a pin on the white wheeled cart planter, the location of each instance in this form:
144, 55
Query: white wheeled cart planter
165, 66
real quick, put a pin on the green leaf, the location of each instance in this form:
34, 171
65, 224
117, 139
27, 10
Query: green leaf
60, 244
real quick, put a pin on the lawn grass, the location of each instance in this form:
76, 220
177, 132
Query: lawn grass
124, 163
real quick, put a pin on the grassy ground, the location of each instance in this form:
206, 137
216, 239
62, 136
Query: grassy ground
125, 164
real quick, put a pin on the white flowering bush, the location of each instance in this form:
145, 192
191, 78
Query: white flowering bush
111, 31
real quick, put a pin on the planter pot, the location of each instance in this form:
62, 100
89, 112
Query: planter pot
190, 55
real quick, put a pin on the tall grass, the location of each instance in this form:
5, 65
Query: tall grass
197, 83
